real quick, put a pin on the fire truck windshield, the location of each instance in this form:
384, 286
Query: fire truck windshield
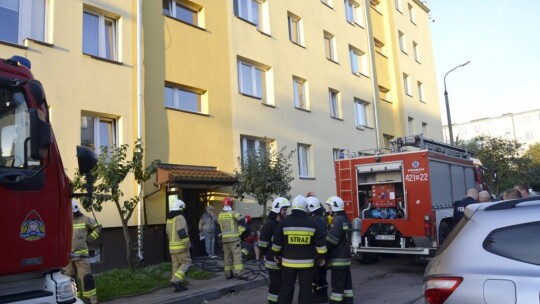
14, 128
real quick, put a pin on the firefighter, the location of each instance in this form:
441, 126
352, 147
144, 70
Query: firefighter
277, 213
246, 247
339, 255
85, 230
232, 224
320, 285
296, 241
179, 245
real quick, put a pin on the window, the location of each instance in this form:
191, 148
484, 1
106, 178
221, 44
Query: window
186, 99
384, 94
304, 160
410, 125
425, 130
407, 84
253, 146
21, 19
327, 2
397, 3
97, 132
379, 47
412, 15
387, 139
416, 51
299, 90
376, 4
335, 103
359, 63
360, 110
250, 79
352, 12
421, 91
185, 11
296, 33
248, 10
402, 42
517, 242
330, 46
99, 35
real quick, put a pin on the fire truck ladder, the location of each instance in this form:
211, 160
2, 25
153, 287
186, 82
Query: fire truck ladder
420, 142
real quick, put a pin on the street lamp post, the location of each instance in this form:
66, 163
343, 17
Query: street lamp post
448, 104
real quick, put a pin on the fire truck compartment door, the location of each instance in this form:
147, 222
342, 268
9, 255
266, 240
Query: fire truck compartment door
379, 167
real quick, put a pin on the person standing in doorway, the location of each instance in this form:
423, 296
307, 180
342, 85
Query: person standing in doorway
207, 228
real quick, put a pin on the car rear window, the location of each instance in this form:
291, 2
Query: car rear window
519, 242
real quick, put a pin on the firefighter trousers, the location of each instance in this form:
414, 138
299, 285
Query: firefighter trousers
181, 263
274, 277
232, 259
341, 282
319, 278
288, 280
80, 269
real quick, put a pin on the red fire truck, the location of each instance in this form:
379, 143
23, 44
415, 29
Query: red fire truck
401, 202
35, 194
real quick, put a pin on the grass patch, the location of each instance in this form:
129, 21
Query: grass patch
124, 282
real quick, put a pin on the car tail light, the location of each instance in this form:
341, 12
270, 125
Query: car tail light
437, 290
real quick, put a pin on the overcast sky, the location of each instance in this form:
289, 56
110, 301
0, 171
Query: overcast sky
502, 40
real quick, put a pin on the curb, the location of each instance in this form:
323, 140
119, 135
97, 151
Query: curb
216, 292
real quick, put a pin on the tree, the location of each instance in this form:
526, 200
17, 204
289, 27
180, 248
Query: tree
111, 170
263, 174
533, 153
503, 156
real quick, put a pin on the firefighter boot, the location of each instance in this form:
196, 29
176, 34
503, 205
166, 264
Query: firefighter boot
320, 295
178, 287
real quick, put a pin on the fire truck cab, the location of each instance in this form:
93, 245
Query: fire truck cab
402, 202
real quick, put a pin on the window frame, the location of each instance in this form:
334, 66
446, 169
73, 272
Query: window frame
195, 9
402, 42
305, 169
352, 11
412, 14
258, 142
361, 118
97, 138
421, 93
299, 33
407, 84
26, 21
239, 12
330, 46
102, 36
358, 61
334, 100
416, 51
253, 78
177, 103
384, 94
298, 81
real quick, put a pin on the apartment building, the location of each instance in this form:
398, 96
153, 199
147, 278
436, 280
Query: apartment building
223, 78
521, 126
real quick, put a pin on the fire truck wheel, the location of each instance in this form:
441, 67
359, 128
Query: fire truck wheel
369, 258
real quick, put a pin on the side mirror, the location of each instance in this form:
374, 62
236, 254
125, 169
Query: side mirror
86, 159
40, 136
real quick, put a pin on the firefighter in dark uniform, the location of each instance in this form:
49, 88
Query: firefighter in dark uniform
339, 255
296, 241
179, 245
232, 224
277, 213
320, 285
85, 230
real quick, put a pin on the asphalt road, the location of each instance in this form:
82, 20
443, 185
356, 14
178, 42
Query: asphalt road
392, 280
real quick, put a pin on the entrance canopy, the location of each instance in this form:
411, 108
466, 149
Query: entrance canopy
193, 176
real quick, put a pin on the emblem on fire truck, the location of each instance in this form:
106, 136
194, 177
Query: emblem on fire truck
32, 228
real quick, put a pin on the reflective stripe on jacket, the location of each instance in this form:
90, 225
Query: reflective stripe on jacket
85, 229
228, 222
177, 232
337, 241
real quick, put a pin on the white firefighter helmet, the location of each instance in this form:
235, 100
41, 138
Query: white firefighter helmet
178, 205
299, 203
335, 202
313, 203
75, 206
279, 203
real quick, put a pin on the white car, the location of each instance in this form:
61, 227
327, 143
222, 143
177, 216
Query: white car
492, 256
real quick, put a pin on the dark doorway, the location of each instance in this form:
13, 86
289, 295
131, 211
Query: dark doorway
194, 210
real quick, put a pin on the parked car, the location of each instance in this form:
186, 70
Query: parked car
492, 256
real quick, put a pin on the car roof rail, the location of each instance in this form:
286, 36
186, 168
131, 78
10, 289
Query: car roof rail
504, 205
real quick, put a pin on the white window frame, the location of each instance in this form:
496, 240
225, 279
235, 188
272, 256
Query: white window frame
412, 14
358, 61
32, 21
361, 113
380, 47
330, 46
398, 5
353, 14
334, 100
256, 77
245, 143
402, 42
249, 10
329, 3
304, 161
421, 94
301, 100
410, 125
102, 36
416, 52
425, 130
195, 9
98, 140
296, 31
175, 100
407, 84
384, 94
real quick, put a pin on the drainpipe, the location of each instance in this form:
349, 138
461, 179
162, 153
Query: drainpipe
140, 190
374, 83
